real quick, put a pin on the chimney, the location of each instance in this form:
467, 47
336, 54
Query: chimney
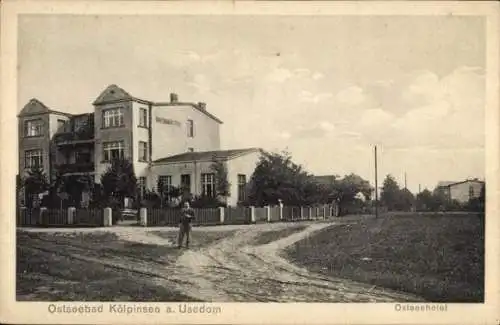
174, 98
202, 105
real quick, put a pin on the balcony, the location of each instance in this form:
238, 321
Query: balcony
76, 168
84, 135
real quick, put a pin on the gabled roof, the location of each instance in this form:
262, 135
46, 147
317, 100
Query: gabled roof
35, 106
112, 93
206, 155
448, 184
445, 183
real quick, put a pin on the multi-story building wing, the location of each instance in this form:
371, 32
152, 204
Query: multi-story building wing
123, 126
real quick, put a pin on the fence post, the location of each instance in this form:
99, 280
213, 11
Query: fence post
108, 217
22, 216
324, 212
143, 213
301, 214
268, 213
311, 217
252, 214
71, 215
43, 210
281, 209
221, 215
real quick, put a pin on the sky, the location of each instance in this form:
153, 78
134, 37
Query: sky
325, 88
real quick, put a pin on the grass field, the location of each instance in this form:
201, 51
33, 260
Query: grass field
439, 257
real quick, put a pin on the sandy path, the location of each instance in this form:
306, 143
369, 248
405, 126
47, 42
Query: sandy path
234, 270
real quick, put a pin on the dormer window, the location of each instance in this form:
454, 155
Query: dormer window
113, 117
33, 128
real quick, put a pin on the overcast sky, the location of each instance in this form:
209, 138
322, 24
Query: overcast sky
325, 88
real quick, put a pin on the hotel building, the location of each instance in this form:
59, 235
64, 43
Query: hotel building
173, 140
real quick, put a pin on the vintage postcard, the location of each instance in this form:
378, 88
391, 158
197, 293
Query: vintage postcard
232, 162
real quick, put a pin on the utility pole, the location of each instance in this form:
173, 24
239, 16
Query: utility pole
419, 189
376, 185
405, 182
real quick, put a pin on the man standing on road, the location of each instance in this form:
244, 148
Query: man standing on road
187, 215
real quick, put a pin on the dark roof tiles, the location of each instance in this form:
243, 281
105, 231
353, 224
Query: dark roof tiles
206, 155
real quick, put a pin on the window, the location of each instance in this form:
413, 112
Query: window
61, 126
33, 158
208, 185
471, 192
142, 186
242, 183
113, 150
186, 183
143, 151
190, 149
113, 118
190, 128
165, 182
143, 117
33, 128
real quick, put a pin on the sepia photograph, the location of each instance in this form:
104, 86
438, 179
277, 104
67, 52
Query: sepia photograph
243, 158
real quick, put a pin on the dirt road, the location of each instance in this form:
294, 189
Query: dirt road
235, 269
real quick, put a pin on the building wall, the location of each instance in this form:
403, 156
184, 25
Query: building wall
241, 165
139, 133
169, 131
124, 133
175, 170
460, 192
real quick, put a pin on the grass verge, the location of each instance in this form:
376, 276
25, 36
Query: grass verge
439, 257
267, 237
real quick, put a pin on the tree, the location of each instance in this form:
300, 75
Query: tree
35, 183
277, 177
222, 185
345, 190
390, 193
168, 194
405, 200
425, 200
119, 181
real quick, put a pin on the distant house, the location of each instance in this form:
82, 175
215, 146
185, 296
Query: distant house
461, 191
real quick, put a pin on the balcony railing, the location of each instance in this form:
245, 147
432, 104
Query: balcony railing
82, 134
81, 167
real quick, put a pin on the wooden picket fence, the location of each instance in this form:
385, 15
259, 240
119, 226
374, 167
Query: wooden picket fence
237, 215
206, 217
171, 216
89, 217
260, 214
163, 217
